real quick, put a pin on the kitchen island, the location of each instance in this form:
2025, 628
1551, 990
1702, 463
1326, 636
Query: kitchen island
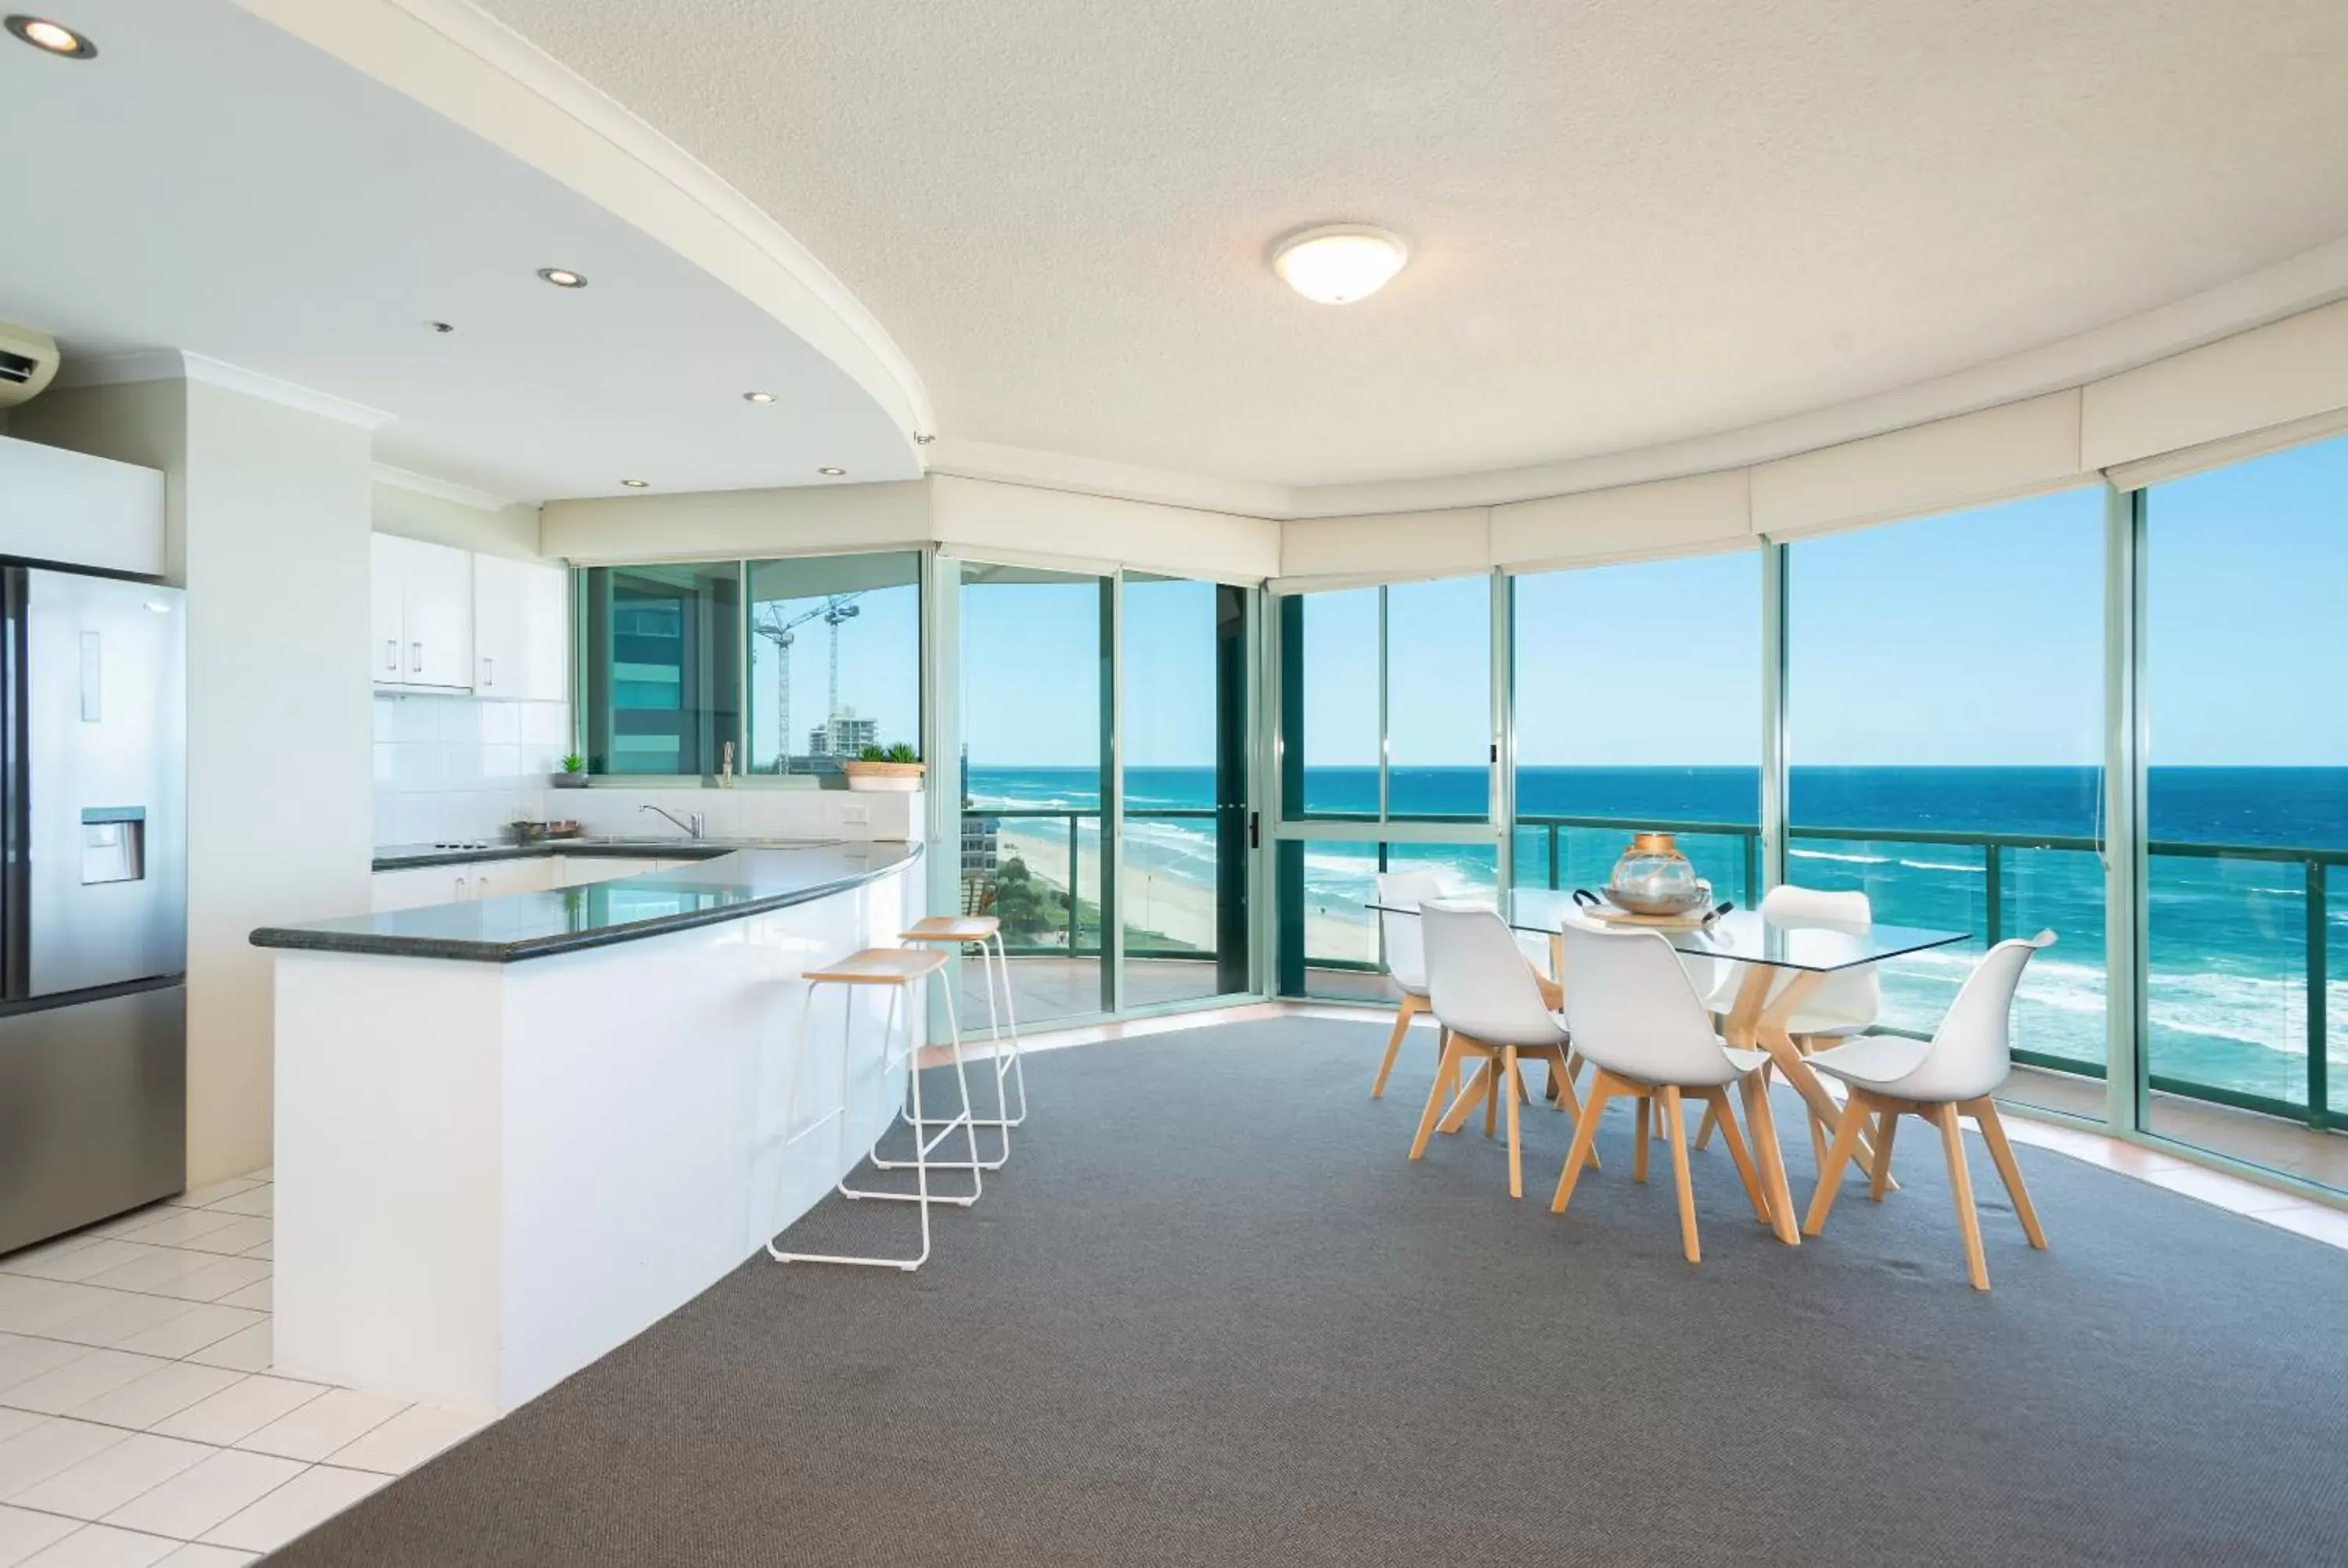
513, 1131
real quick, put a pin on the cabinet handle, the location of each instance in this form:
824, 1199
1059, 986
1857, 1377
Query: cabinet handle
391, 655
460, 887
489, 671
415, 657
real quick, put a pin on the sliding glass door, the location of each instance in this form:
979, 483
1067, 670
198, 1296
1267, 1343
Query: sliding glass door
1104, 777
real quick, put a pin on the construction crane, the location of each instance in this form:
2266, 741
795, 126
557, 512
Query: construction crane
772, 626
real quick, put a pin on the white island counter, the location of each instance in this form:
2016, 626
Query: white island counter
513, 1133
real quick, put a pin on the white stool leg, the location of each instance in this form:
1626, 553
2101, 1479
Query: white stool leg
1010, 1011
954, 1020
800, 1048
925, 1142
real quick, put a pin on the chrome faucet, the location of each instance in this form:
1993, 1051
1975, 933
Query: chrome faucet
695, 823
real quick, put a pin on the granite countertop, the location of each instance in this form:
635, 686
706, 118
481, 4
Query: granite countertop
410, 857
508, 929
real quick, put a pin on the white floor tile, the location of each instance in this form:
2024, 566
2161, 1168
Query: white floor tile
34, 1455
334, 1419
266, 1173
245, 1351
254, 1298
266, 1250
136, 1219
202, 1197
120, 1319
410, 1438
113, 1476
79, 1380
251, 1201
199, 1328
175, 1271
22, 1534
241, 1232
94, 1256
15, 1421
196, 1555
22, 1358
241, 1408
316, 1495
43, 1304
203, 1495
157, 1396
178, 1227
24, 1258
103, 1546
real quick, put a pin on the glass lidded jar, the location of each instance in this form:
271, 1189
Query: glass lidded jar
1654, 878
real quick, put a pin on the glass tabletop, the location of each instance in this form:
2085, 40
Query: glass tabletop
1739, 937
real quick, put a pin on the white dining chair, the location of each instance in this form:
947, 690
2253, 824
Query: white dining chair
1638, 1019
1847, 1004
1490, 1003
1955, 1073
1405, 958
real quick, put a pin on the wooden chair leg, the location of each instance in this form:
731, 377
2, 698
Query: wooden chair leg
1473, 1093
1705, 1128
1411, 1006
1763, 1121
1639, 1159
1854, 1117
1570, 1103
1444, 1072
1494, 1089
1994, 1134
1887, 1125
1952, 1142
1726, 1120
1585, 1136
1512, 1088
1677, 1128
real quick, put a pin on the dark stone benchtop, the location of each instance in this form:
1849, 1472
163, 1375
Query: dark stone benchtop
730, 885
413, 856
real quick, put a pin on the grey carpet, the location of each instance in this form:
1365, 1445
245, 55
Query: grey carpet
1212, 1317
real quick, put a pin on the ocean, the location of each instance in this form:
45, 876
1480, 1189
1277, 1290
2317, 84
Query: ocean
2227, 991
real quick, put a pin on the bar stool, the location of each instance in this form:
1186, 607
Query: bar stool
899, 970
954, 932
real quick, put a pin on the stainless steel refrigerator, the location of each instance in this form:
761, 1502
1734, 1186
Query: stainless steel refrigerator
93, 898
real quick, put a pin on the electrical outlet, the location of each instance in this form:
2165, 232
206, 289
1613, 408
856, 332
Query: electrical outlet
856, 813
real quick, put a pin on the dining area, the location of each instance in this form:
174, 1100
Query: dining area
1648, 993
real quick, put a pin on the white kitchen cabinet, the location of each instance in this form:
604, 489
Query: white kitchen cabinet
578, 870
521, 637
495, 878
422, 602
416, 887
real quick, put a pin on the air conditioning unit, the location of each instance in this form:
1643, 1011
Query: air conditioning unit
27, 360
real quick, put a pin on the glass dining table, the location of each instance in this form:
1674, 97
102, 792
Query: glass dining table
1781, 967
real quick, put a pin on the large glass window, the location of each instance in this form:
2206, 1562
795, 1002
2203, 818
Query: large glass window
1618, 731
2248, 798
835, 658
1339, 725
664, 668
1035, 732
1944, 701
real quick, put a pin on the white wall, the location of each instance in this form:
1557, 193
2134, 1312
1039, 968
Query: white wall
269, 517
461, 768
415, 514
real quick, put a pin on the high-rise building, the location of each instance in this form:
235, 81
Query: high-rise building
845, 734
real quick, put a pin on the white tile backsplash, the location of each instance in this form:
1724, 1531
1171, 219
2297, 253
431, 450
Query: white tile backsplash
460, 768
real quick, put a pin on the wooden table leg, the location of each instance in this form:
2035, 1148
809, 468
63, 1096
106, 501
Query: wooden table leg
1754, 1027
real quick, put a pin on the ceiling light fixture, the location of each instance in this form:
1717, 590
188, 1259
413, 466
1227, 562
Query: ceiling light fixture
563, 277
51, 38
831, 473
758, 398
441, 326
638, 484
1338, 263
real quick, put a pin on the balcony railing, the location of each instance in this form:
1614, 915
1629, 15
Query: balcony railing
1080, 922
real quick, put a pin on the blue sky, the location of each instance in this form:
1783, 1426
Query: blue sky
1973, 638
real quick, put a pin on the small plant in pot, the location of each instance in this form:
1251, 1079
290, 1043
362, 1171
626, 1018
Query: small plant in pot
574, 772
897, 768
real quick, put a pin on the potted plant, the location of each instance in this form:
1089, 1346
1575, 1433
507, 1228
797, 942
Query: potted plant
896, 768
574, 772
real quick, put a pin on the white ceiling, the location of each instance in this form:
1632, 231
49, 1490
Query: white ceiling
1633, 221
210, 184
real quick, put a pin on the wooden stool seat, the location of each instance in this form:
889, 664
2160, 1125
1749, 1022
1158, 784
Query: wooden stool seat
880, 967
952, 928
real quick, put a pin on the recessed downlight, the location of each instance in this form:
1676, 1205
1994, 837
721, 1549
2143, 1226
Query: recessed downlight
638, 484
563, 277
441, 326
51, 38
761, 397
831, 473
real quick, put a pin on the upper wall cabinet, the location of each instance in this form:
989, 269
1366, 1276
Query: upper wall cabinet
79, 510
521, 647
423, 614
